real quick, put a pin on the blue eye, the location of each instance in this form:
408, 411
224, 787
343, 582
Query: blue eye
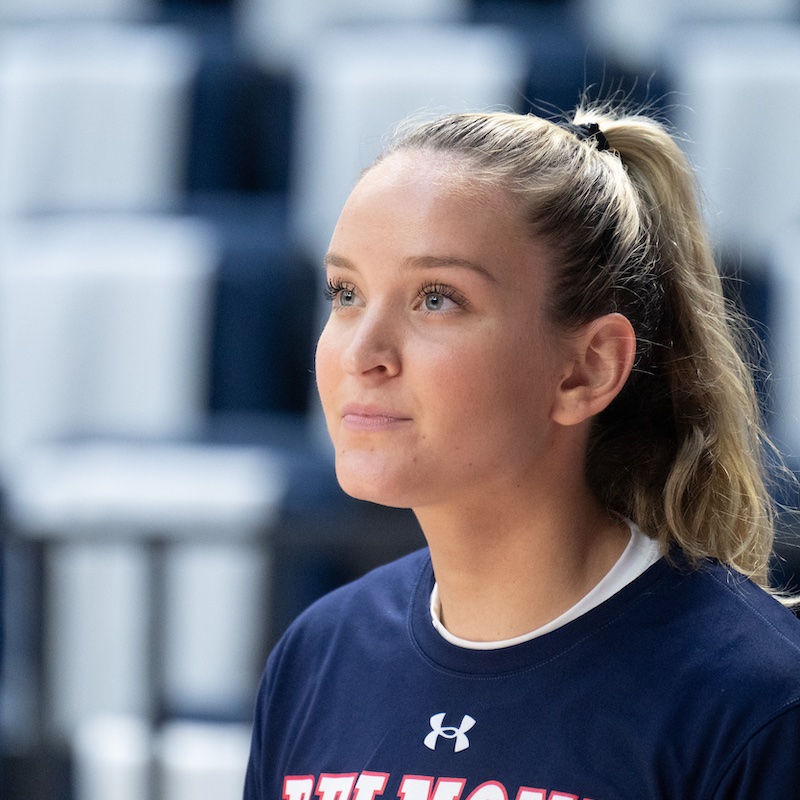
341, 294
435, 301
346, 297
437, 298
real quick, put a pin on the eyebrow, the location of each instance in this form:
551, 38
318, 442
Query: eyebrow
332, 260
418, 262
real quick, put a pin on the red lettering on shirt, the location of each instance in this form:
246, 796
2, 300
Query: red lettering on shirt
491, 790
419, 787
298, 787
336, 787
370, 785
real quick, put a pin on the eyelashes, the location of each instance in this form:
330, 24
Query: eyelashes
433, 297
335, 288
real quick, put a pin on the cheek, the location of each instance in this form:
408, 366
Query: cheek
327, 361
516, 378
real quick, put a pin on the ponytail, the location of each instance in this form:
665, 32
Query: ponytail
706, 490
679, 451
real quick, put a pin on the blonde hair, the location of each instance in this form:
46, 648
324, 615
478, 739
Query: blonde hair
680, 450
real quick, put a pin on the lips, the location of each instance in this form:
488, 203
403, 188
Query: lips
372, 418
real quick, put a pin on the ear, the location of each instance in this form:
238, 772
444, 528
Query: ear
602, 354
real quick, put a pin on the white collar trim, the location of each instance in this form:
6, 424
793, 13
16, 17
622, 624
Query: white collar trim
640, 554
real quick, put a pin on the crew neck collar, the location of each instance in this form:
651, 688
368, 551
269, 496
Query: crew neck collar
523, 656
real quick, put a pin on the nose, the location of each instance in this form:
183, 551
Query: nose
373, 348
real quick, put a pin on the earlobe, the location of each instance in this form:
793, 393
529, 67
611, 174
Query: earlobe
602, 359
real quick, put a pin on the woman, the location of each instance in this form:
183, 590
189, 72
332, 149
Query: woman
529, 347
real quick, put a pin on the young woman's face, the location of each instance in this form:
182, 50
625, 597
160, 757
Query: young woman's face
437, 368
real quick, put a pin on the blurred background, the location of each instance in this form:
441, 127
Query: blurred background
170, 172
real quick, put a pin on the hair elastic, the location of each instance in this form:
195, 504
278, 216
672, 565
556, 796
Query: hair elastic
588, 131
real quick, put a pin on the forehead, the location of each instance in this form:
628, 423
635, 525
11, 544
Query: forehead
418, 205
447, 173
425, 193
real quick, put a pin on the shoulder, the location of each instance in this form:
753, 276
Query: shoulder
391, 582
352, 631
764, 764
732, 605
709, 663
379, 599
340, 643
707, 638
750, 684
729, 636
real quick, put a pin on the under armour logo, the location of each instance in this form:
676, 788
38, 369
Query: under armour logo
459, 734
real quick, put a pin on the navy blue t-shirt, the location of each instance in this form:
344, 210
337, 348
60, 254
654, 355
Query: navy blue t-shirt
684, 685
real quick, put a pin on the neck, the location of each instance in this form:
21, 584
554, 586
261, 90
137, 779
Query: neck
506, 568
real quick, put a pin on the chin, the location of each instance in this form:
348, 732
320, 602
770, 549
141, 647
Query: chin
375, 488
